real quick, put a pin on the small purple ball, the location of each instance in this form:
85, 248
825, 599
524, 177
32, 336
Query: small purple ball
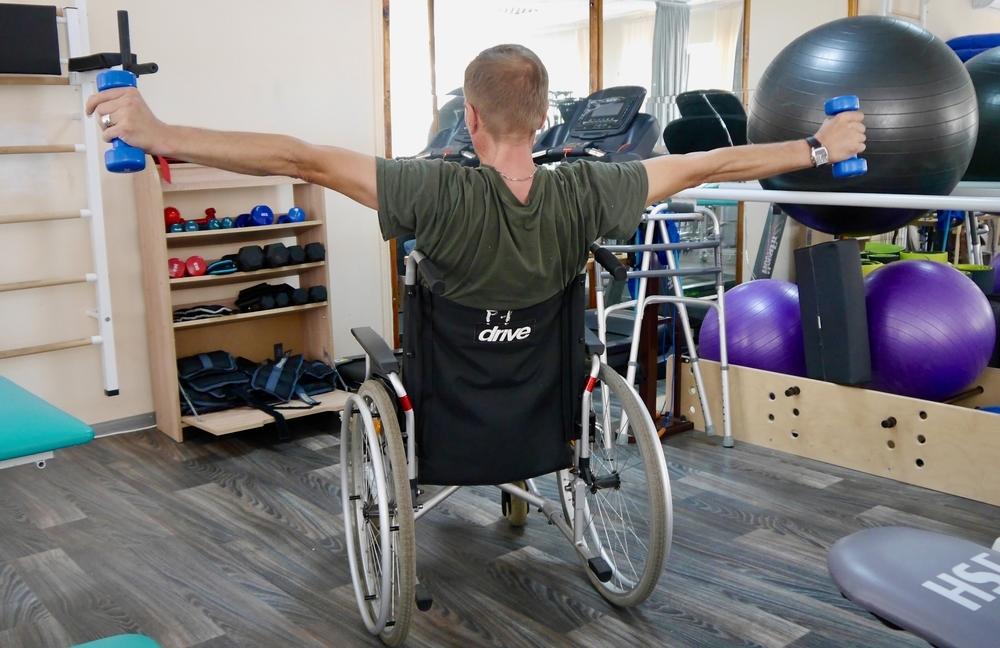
930, 328
763, 328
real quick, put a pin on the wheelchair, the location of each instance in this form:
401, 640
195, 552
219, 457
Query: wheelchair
488, 397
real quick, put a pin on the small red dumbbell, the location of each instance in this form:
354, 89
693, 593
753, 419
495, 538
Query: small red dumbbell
176, 268
196, 266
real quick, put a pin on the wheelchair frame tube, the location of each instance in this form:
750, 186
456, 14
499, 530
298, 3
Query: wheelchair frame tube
411, 447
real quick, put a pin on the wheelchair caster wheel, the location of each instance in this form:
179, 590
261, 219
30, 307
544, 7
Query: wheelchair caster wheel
515, 509
423, 598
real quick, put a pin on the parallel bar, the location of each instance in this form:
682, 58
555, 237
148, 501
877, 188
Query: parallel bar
34, 79
41, 283
662, 247
750, 192
674, 217
45, 348
49, 216
680, 272
41, 148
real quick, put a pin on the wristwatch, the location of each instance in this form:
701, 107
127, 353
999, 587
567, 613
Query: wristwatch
817, 152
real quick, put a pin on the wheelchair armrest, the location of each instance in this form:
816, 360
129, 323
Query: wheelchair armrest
383, 359
594, 345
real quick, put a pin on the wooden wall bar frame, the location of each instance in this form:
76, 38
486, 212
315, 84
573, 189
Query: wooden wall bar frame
948, 448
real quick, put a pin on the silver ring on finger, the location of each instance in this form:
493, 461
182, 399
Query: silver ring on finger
106, 121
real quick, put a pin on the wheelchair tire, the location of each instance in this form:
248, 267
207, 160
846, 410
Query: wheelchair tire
360, 436
652, 513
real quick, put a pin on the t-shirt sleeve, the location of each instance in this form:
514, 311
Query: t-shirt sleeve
409, 195
618, 196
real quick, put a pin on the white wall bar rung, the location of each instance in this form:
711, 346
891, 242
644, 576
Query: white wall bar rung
51, 346
48, 216
753, 192
46, 283
78, 38
39, 149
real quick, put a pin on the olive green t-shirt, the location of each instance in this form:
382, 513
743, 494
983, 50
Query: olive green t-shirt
493, 250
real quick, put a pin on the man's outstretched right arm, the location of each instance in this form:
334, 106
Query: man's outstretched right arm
344, 171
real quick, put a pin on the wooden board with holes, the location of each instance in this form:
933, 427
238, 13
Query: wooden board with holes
949, 448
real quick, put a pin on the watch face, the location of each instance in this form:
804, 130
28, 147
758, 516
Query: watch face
820, 155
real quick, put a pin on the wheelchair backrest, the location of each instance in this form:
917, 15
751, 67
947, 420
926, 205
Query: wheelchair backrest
496, 392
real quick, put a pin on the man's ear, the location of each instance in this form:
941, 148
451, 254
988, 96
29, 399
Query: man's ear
472, 120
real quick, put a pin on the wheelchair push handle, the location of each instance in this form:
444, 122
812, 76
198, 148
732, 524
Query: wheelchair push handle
610, 262
431, 276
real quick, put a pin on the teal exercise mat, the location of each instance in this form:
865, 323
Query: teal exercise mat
122, 641
30, 425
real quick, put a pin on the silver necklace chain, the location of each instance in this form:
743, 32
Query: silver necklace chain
524, 179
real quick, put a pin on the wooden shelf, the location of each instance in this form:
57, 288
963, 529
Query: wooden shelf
236, 234
194, 177
240, 277
246, 418
227, 319
306, 328
33, 79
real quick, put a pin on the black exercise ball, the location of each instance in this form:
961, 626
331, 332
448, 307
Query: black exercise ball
919, 105
985, 72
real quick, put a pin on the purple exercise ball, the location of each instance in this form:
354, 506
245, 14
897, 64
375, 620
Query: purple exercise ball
930, 328
996, 275
763, 328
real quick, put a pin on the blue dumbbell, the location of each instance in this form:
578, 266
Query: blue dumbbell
121, 158
227, 222
261, 215
294, 215
243, 220
854, 166
191, 226
176, 227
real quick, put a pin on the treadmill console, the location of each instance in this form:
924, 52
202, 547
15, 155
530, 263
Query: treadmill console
608, 112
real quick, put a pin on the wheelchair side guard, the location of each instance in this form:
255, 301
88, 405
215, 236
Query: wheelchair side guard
382, 358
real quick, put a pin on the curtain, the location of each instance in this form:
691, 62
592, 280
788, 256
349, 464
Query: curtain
670, 59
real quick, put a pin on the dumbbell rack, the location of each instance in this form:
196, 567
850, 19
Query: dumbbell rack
302, 329
78, 44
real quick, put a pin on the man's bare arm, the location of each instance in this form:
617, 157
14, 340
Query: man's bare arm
843, 135
344, 171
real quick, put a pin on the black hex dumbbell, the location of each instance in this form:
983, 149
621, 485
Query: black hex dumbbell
296, 255
248, 259
317, 294
275, 255
315, 252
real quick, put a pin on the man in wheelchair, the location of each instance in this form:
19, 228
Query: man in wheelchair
497, 384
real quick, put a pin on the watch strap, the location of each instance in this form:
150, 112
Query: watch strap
813, 142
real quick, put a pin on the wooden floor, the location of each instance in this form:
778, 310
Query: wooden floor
219, 543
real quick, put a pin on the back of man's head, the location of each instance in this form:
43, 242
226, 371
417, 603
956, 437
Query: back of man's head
509, 87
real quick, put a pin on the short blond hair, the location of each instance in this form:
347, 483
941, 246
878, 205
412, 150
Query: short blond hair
510, 87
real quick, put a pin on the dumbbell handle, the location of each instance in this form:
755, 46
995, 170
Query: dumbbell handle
121, 157
853, 166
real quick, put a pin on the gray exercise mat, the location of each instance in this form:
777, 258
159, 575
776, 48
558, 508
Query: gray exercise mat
941, 588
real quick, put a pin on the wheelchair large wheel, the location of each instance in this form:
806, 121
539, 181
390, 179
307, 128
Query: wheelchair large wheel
378, 513
627, 513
